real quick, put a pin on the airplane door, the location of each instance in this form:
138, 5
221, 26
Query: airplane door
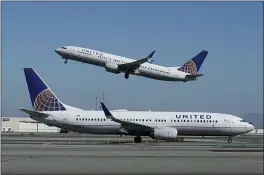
65, 119
155, 123
227, 123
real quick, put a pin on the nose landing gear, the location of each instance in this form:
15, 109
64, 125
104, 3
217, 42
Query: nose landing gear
229, 140
65, 61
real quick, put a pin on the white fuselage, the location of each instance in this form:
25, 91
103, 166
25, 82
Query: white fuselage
101, 59
186, 123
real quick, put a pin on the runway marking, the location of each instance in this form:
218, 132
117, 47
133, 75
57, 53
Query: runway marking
46, 143
129, 157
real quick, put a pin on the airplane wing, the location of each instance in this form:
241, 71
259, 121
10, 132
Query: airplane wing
126, 125
28, 121
132, 66
34, 113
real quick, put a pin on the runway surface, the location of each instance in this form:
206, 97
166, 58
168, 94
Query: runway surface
91, 154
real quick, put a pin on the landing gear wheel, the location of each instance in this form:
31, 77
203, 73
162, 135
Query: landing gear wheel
137, 139
65, 61
229, 140
126, 76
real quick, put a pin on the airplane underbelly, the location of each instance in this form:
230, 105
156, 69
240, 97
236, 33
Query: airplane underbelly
155, 76
95, 129
205, 131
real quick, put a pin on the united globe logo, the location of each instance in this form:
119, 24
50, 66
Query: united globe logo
46, 101
189, 67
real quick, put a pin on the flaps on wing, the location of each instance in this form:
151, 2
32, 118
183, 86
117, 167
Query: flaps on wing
136, 64
34, 113
126, 125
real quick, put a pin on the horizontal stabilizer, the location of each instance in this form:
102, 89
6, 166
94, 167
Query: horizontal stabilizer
34, 113
193, 77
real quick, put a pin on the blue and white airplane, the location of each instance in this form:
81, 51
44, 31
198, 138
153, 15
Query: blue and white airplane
143, 67
50, 110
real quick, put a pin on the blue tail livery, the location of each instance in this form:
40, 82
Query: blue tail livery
150, 56
193, 66
42, 98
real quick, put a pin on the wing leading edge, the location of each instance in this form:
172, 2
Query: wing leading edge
132, 66
126, 126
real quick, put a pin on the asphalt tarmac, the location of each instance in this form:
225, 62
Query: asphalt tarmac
89, 154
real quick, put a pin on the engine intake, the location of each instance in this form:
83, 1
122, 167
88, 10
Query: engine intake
111, 67
165, 133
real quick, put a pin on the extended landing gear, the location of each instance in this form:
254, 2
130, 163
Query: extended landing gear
179, 139
137, 139
126, 76
65, 61
229, 139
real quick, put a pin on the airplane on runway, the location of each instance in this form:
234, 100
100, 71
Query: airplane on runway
50, 110
143, 67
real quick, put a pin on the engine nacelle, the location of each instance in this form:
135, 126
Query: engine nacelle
164, 133
111, 67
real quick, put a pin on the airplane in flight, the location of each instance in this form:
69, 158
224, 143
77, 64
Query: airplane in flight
168, 126
142, 67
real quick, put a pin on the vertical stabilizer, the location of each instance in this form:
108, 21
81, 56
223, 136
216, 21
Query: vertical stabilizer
193, 66
42, 98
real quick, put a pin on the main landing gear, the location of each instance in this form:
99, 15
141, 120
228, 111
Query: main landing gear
229, 139
126, 76
137, 139
65, 61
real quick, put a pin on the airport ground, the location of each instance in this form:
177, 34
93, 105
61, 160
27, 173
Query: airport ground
54, 153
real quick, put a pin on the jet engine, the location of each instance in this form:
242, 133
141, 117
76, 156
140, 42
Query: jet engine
111, 67
164, 133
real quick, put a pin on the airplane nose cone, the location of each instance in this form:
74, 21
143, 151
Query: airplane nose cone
57, 51
250, 127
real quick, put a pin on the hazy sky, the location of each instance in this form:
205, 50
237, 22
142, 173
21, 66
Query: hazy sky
230, 31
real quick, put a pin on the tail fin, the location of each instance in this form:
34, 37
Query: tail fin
193, 66
42, 98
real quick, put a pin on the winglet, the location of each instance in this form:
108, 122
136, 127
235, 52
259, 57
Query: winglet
106, 111
152, 53
150, 56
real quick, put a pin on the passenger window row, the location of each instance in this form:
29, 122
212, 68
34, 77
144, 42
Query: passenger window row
148, 120
99, 56
200, 121
90, 119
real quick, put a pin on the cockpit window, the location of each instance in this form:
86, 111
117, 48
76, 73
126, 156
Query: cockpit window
63, 47
242, 121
